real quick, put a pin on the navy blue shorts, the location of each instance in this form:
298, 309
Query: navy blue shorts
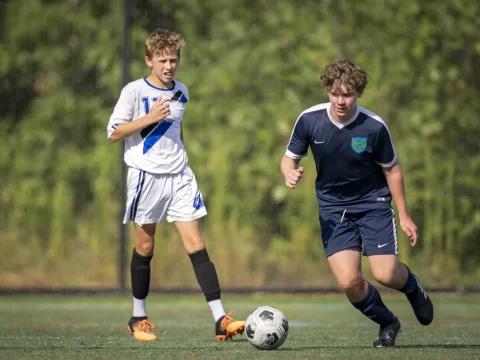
372, 231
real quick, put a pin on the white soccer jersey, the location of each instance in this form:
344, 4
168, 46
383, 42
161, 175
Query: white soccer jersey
158, 148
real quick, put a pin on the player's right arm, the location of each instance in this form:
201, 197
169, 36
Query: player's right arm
296, 149
121, 125
291, 171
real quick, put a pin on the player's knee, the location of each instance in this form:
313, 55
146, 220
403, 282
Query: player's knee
385, 277
352, 284
145, 247
194, 244
193, 248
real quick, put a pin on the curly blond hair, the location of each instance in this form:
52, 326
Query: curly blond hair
344, 73
161, 41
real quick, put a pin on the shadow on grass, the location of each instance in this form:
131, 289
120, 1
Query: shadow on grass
440, 346
417, 346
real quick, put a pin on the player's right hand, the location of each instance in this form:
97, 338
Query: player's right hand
160, 109
293, 176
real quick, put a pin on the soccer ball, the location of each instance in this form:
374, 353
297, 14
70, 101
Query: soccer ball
266, 328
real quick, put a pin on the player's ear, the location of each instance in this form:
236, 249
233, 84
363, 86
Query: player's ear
148, 61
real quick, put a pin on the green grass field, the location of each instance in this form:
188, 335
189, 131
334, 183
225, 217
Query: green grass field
321, 327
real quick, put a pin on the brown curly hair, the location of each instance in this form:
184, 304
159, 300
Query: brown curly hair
161, 41
344, 73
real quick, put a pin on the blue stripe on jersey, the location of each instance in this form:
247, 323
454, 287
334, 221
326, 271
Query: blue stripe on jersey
156, 134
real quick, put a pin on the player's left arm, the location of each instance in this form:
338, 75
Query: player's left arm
396, 185
386, 157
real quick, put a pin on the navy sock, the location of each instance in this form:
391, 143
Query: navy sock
373, 307
411, 286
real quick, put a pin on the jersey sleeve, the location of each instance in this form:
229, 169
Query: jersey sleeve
123, 111
385, 154
297, 147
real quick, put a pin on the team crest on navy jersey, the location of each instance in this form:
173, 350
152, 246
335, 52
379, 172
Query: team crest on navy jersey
359, 144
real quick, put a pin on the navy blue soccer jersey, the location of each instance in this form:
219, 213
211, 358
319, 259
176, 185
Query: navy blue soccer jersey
349, 157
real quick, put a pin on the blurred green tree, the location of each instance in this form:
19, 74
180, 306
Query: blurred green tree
252, 67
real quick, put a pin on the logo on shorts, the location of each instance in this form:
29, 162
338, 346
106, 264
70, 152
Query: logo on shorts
198, 202
359, 144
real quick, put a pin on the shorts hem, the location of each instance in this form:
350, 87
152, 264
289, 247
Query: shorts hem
334, 251
380, 253
195, 217
143, 222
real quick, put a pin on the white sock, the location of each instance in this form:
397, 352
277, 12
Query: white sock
217, 309
139, 307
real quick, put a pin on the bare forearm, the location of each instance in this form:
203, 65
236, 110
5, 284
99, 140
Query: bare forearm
291, 171
288, 164
397, 188
125, 130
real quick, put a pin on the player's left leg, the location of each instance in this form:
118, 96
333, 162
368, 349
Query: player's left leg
185, 209
379, 235
225, 326
388, 271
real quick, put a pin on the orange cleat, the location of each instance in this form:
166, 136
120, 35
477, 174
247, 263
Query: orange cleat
141, 330
226, 327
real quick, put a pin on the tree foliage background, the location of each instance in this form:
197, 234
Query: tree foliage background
252, 67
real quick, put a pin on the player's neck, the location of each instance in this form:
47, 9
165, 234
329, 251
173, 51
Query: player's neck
344, 118
155, 81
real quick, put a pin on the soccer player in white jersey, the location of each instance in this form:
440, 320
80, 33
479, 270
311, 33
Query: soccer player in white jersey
357, 177
161, 185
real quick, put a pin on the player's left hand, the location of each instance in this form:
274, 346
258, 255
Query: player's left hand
409, 227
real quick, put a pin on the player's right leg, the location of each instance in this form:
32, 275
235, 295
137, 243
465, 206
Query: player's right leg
146, 206
139, 325
345, 265
342, 243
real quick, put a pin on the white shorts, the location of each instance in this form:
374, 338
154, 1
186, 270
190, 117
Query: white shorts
152, 197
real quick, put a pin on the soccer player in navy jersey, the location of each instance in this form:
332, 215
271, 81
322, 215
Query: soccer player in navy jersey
357, 177
161, 185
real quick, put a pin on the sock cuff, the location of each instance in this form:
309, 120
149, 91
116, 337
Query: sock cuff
411, 283
199, 257
371, 293
141, 257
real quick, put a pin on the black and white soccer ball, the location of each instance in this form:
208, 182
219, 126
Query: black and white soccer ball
266, 328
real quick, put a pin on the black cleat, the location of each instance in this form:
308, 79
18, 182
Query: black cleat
388, 334
421, 304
